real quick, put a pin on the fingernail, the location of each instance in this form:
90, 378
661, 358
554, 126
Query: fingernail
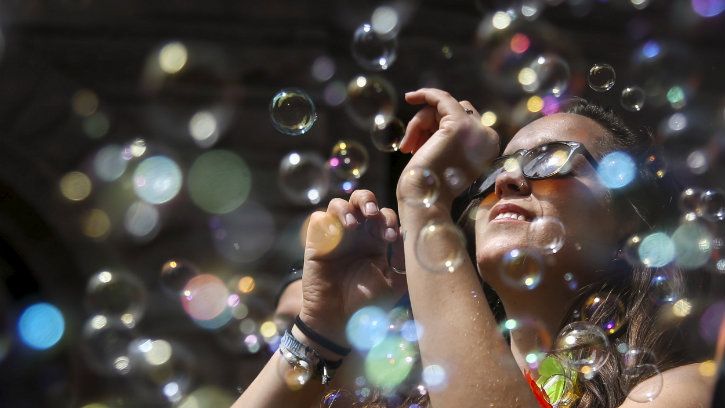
390, 234
350, 219
371, 208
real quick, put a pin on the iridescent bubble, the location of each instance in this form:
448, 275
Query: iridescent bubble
663, 289
389, 362
204, 128
204, 297
411, 331
601, 77
583, 346
693, 244
159, 369
712, 205
560, 390
632, 98
75, 186
616, 170
645, 380
522, 268
41, 326
116, 294
367, 327
232, 233
323, 68
387, 134
175, 274
157, 180
219, 181
304, 178
441, 247
434, 377
373, 51
690, 200
109, 163
142, 220
292, 111
538, 339
105, 345
546, 234
605, 308
385, 21
368, 98
548, 73
656, 250
340, 398
421, 187
349, 159
708, 8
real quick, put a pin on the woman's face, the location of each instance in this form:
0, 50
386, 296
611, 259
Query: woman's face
579, 201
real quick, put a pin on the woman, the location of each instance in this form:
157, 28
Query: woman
346, 266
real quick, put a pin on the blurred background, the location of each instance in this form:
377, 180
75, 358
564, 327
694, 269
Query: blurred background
158, 159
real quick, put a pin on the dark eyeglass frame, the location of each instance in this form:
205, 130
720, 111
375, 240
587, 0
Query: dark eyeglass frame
480, 188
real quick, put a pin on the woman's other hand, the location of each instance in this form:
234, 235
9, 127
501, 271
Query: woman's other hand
346, 262
445, 135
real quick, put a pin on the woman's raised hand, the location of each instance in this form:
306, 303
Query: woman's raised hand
346, 262
445, 134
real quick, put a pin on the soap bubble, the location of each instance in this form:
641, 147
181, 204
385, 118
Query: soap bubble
522, 268
616, 170
656, 250
536, 334
175, 274
142, 221
367, 327
373, 51
109, 164
712, 205
40, 326
690, 200
421, 187
693, 244
455, 178
389, 362
548, 73
204, 297
349, 159
607, 309
105, 345
157, 179
370, 98
641, 374
116, 294
295, 375
159, 369
219, 181
663, 289
304, 178
434, 377
546, 234
632, 98
583, 346
601, 77
340, 398
708, 8
441, 247
561, 390
387, 134
630, 249
292, 111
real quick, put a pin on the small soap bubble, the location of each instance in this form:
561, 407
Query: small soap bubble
712, 205
630, 249
116, 294
607, 309
546, 234
387, 134
370, 98
175, 274
389, 362
656, 250
690, 200
583, 346
349, 159
616, 169
304, 177
323, 68
537, 336
204, 297
663, 289
441, 247
632, 98
601, 77
295, 375
434, 377
548, 73
104, 345
373, 51
157, 179
292, 111
693, 244
367, 327
522, 268
455, 178
561, 390
645, 381
421, 187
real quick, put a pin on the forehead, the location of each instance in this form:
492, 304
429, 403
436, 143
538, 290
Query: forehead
559, 127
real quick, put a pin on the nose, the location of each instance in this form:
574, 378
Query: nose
512, 182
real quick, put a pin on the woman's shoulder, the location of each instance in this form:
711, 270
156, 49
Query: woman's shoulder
685, 386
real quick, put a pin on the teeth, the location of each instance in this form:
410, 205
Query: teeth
510, 215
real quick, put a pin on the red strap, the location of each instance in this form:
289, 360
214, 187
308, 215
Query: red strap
538, 392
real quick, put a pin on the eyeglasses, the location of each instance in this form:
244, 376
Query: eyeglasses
548, 160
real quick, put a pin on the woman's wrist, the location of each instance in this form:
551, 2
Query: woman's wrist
331, 328
322, 351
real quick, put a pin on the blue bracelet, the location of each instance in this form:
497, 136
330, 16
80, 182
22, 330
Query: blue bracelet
320, 339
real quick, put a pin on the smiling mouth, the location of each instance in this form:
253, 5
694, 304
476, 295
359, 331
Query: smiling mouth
510, 216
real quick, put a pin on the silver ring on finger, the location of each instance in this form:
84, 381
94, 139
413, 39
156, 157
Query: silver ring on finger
468, 111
